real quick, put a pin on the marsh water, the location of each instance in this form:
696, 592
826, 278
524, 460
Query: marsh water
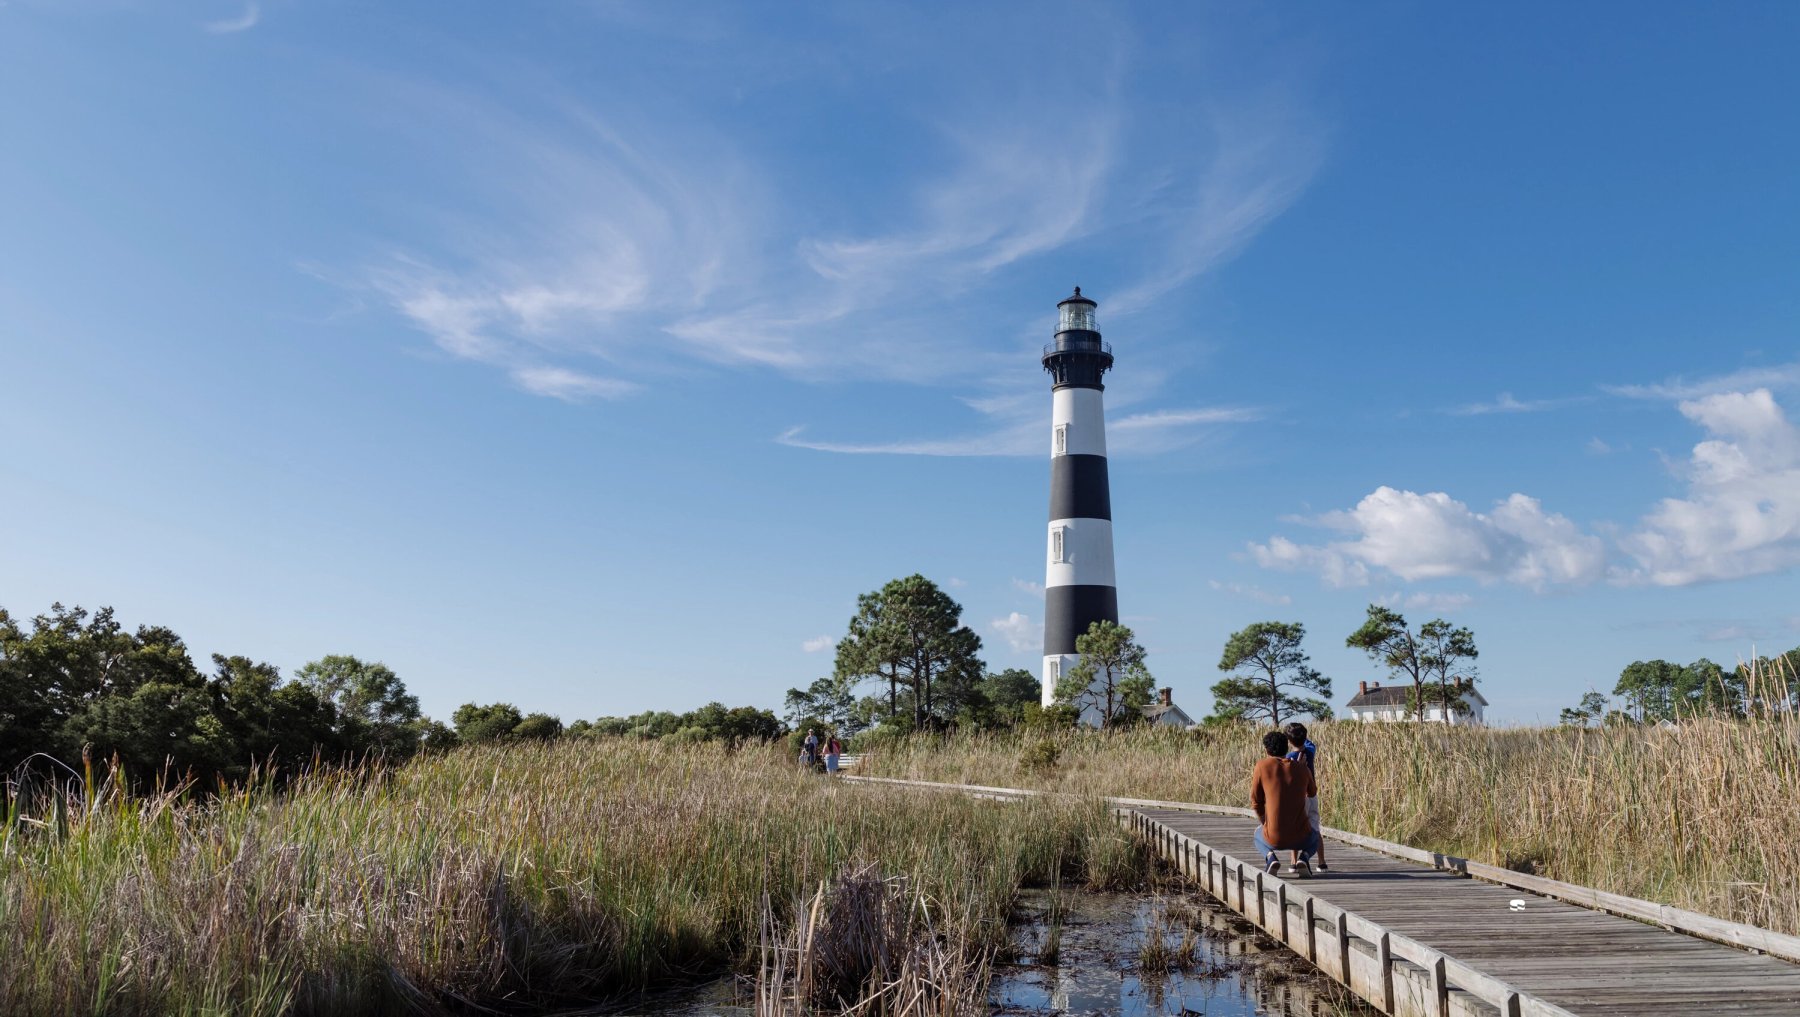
1212, 963
1076, 952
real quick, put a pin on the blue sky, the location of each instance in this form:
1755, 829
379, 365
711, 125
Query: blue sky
595, 356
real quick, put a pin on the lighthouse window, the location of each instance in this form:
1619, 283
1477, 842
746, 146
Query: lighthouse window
1056, 544
1054, 671
1062, 439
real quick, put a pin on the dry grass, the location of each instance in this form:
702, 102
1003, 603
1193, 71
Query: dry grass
1702, 816
866, 944
513, 878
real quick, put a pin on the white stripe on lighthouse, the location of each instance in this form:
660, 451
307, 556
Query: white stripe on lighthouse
1079, 414
1080, 553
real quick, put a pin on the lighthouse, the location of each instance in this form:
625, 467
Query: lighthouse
1079, 588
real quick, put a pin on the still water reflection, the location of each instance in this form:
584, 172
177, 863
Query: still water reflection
1221, 966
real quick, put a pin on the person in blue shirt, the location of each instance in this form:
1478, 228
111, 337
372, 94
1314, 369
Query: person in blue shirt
1306, 752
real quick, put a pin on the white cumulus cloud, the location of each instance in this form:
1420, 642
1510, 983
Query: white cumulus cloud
1739, 516
1741, 512
1434, 536
1019, 631
816, 644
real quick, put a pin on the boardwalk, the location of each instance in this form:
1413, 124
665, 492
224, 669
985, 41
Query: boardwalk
1469, 949
1414, 936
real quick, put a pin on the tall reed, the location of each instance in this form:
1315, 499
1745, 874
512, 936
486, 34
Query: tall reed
509, 877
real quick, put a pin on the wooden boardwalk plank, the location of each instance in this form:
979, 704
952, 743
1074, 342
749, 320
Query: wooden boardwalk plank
1584, 961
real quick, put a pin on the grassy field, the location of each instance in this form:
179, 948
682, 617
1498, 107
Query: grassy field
1702, 816
518, 878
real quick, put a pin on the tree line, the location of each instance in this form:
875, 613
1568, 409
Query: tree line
908, 663
71, 681
1655, 691
74, 683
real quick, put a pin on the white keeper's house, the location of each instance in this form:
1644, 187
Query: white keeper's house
1164, 712
1374, 701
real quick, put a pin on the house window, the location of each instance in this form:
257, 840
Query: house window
1056, 544
1062, 440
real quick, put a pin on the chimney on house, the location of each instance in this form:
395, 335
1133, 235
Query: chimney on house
1364, 688
1167, 696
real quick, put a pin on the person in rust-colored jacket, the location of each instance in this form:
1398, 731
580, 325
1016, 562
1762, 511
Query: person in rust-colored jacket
1279, 788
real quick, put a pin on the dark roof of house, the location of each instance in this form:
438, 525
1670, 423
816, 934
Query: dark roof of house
1156, 710
1397, 695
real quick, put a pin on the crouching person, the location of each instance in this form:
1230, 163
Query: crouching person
1279, 788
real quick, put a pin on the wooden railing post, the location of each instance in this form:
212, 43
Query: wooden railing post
1312, 931
1262, 908
1384, 955
1343, 946
1440, 987
1512, 1007
1281, 905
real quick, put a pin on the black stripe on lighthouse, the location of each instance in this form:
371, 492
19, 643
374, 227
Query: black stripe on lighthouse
1069, 610
1078, 488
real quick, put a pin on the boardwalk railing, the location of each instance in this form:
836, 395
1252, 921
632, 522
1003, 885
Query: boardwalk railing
1394, 972
1674, 919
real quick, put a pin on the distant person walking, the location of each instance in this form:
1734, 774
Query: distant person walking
833, 749
1303, 751
809, 749
1279, 787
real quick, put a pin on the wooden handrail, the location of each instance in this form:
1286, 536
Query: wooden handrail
1443, 970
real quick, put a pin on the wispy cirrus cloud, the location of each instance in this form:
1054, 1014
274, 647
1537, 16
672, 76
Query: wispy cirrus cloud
1264, 150
569, 386
1024, 432
1775, 377
632, 241
242, 23
1427, 600
1506, 403
1250, 591
1011, 442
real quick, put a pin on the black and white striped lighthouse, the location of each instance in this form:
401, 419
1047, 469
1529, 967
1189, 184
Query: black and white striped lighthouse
1079, 588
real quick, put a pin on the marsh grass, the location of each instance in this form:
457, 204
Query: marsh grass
1701, 815
1170, 943
868, 944
510, 878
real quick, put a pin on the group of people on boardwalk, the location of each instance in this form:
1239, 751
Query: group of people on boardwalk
815, 753
1284, 792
